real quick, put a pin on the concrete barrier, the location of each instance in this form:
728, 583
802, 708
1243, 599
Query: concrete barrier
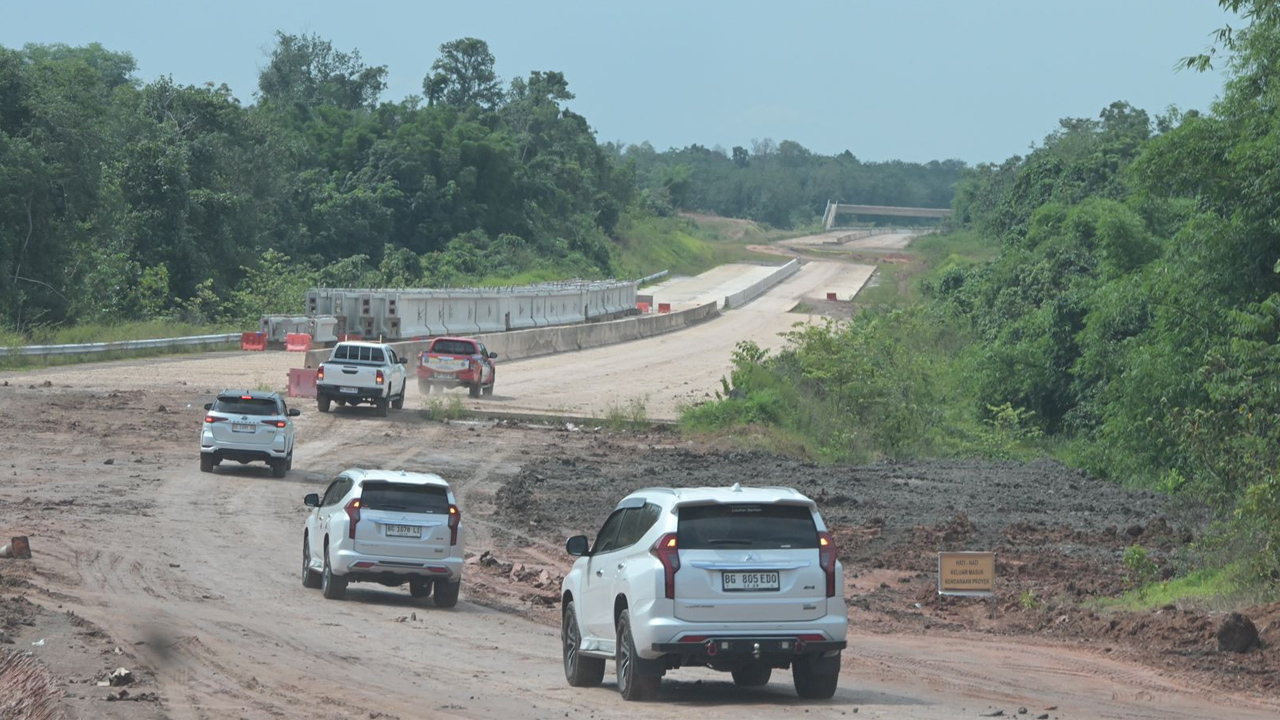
535, 342
758, 288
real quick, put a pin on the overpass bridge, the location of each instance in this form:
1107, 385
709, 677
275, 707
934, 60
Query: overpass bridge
834, 209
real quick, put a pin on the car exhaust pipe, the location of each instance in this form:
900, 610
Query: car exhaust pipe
711, 648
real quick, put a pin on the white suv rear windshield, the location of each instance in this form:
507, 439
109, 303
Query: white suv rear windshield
404, 497
236, 405
359, 353
746, 525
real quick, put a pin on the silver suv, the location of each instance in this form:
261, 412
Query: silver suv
248, 426
743, 580
388, 527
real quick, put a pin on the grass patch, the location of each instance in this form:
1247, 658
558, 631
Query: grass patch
441, 409
683, 245
634, 415
1211, 588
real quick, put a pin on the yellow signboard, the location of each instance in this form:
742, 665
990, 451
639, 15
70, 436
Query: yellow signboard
966, 573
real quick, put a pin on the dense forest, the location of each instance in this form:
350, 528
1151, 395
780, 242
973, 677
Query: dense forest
782, 184
122, 200
1124, 314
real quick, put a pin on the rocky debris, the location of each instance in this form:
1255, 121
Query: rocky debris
140, 697
19, 547
1237, 634
109, 461
118, 678
5, 639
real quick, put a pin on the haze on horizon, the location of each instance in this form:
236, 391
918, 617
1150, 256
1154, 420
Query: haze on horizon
919, 81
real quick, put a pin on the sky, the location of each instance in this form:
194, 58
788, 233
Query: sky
913, 80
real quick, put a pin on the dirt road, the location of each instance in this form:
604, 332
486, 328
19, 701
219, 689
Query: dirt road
192, 582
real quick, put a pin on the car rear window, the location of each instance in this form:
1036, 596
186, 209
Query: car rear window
236, 405
453, 347
746, 525
406, 497
359, 353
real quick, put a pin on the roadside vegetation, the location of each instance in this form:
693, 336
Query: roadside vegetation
1112, 299
127, 201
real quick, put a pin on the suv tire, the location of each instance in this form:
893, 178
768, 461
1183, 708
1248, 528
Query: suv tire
446, 593
322, 403
398, 403
632, 686
579, 670
752, 675
278, 468
381, 405
812, 685
420, 588
310, 578
206, 462
332, 586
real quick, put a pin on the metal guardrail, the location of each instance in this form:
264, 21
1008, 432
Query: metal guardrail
90, 348
651, 278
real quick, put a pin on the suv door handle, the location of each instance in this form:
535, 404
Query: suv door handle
621, 565
599, 573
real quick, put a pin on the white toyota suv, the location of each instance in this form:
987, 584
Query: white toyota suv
388, 527
737, 579
248, 426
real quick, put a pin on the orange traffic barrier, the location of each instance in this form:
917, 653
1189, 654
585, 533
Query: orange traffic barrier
297, 342
642, 307
831, 297
664, 307
302, 382
253, 341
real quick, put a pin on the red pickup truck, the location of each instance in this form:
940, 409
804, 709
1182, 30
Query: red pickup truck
456, 362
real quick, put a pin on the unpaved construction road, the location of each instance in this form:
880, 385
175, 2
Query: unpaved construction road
191, 581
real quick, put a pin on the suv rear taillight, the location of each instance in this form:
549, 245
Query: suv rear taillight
353, 514
827, 560
274, 423
455, 519
320, 373
380, 378
669, 555
213, 418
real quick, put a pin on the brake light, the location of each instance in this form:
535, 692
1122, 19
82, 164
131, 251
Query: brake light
274, 423
353, 514
380, 378
669, 555
827, 560
455, 519
693, 639
213, 418
246, 397
320, 373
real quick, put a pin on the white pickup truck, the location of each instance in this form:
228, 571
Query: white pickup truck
361, 372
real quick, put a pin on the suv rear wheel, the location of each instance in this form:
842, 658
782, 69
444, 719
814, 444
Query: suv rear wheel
631, 684
322, 403
206, 462
752, 675
447, 593
279, 468
812, 685
579, 670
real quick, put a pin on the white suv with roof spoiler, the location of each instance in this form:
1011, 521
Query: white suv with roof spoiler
387, 527
248, 426
743, 580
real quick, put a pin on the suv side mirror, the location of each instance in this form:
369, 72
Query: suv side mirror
294, 412
311, 500
577, 545
208, 406
493, 355
403, 361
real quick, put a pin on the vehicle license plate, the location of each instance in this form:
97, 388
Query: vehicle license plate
749, 581
409, 531
348, 390
447, 365
242, 427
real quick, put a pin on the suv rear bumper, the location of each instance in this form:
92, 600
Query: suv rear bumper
755, 648
392, 570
